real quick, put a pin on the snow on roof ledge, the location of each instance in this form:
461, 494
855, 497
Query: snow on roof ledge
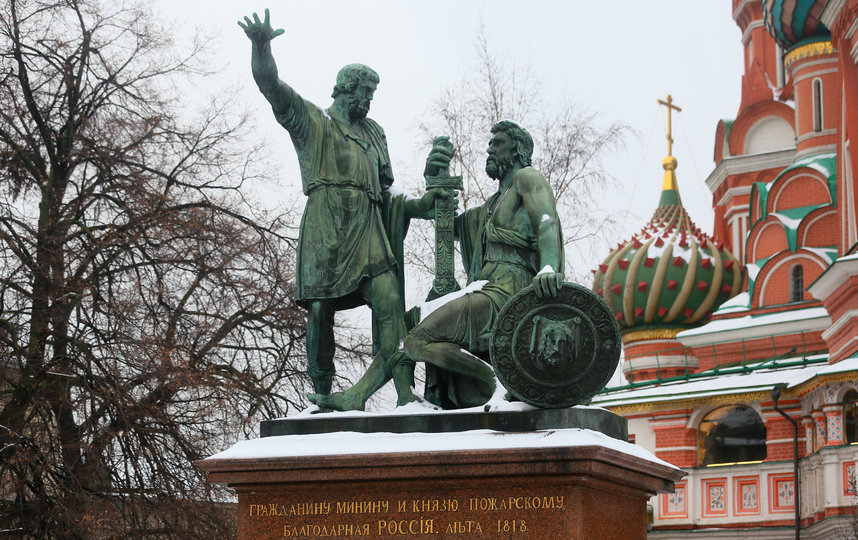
351, 443
749, 326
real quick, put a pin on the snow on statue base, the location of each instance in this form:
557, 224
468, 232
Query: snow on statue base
560, 482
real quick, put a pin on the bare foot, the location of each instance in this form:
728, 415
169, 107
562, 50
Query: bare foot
406, 396
338, 401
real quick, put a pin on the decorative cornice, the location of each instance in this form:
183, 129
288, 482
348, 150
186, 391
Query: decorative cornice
746, 163
804, 388
734, 192
687, 403
825, 66
699, 338
849, 344
841, 321
813, 150
653, 333
739, 9
817, 48
738, 210
815, 134
797, 391
840, 17
831, 11
751, 27
653, 361
833, 277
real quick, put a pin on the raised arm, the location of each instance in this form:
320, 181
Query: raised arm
538, 201
277, 92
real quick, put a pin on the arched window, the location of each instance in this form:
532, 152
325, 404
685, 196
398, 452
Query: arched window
850, 417
796, 283
817, 105
731, 434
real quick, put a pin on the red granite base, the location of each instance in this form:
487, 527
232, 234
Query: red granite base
586, 493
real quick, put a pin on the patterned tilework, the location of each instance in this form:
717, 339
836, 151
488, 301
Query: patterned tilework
850, 478
781, 492
835, 428
820, 431
747, 495
714, 497
675, 505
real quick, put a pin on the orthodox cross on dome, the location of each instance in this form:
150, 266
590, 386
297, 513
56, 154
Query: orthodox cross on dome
669, 189
670, 108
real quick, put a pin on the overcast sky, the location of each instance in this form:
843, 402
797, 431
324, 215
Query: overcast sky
614, 58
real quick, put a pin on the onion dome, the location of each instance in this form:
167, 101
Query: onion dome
792, 22
670, 275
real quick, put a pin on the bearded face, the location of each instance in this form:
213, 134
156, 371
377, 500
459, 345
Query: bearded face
501, 158
498, 166
358, 106
360, 98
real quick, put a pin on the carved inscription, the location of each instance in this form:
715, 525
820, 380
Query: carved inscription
472, 517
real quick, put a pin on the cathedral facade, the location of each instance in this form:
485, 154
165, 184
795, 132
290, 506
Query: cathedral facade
741, 347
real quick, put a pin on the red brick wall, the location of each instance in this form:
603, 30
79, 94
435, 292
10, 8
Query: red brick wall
770, 239
753, 350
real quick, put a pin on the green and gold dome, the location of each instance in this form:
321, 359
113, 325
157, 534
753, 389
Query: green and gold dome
670, 276
795, 22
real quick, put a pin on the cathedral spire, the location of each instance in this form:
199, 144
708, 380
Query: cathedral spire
669, 188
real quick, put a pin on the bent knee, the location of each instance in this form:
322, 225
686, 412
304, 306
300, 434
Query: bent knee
412, 345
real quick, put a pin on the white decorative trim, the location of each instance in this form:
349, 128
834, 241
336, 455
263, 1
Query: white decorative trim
834, 277
781, 441
814, 150
675, 448
812, 134
734, 192
778, 226
840, 323
852, 29
807, 228
815, 175
668, 421
815, 74
813, 257
653, 362
748, 163
845, 346
739, 9
702, 337
751, 27
672, 342
831, 11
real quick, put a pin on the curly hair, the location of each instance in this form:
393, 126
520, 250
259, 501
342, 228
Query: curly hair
521, 140
350, 76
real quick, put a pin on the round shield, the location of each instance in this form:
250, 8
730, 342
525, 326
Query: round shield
555, 352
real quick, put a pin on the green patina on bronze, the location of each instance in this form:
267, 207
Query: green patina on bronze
350, 242
350, 251
510, 242
445, 280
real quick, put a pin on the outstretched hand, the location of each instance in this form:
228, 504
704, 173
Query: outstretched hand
439, 157
259, 31
426, 203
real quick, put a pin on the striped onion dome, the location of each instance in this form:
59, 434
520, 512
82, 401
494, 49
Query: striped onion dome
792, 22
670, 275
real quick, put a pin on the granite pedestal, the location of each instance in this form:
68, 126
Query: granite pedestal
554, 482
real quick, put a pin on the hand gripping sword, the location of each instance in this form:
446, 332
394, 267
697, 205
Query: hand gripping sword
445, 280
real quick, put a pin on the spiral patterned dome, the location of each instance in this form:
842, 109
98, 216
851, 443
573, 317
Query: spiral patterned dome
793, 21
670, 274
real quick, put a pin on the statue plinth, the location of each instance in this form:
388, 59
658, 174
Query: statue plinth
547, 483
